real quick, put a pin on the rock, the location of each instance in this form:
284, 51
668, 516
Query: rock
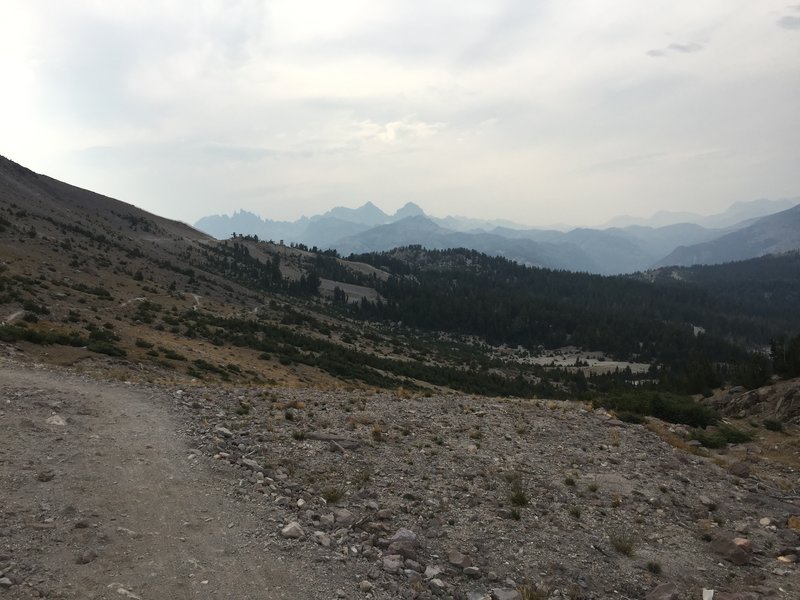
251, 464
5, 582
223, 431
437, 585
85, 557
665, 591
343, 517
404, 543
413, 565
327, 520
392, 563
707, 502
739, 469
292, 531
433, 571
55, 420
403, 535
323, 539
457, 559
404, 548
505, 594
45, 476
478, 596
365, 586
743, 543
728, 550
765, 522
473, 572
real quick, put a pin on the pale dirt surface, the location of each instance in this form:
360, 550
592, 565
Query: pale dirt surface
124, 486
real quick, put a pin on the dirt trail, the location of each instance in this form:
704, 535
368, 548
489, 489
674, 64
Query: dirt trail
13, 317
117, 480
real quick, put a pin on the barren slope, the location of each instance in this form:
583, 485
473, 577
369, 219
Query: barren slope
114, 502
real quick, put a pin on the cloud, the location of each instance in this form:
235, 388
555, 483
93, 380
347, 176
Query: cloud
674, 47
406, 129
789, 22
686, 48
545, 107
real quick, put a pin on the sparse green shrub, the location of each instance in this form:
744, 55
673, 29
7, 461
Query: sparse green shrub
667, 407
622, 542
654, 567
721, 436
107, 348
140, 343
629, 417
299, 435
172, 355
529, 591
773, 424
517, 495
332, 495
31, 306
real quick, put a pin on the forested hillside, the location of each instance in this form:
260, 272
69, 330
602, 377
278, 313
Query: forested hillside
655, 317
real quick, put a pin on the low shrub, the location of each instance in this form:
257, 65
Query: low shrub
107, 348
773, 424
721, 436
672, 408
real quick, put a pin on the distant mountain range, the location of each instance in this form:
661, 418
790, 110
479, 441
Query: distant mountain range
736, 213
772, 234
743, 231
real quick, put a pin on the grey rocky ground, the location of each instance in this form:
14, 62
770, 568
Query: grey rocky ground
100, 497
369, 495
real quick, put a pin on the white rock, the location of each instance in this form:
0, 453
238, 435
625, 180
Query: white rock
224, 431
292, 531
432, 571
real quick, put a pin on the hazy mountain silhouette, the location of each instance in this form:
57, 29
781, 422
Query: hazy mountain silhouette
612, 250
770, 235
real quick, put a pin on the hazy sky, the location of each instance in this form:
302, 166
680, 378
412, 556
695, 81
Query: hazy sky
539, 111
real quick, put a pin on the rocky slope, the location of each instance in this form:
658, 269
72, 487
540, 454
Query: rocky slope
399, 496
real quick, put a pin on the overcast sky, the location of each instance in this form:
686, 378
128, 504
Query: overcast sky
539, 111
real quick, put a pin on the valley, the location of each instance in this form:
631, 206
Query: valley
409, 423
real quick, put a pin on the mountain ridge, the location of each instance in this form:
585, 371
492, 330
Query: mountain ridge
773, 234
608, 251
